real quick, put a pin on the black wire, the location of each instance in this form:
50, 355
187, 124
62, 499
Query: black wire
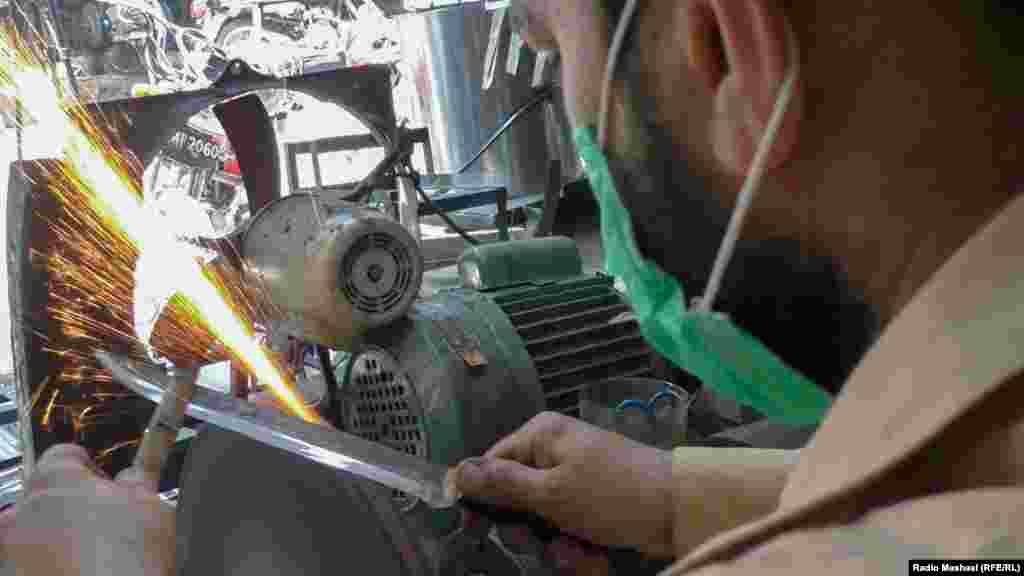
346, 381
414, 178
544, 94
365, 187
333, 406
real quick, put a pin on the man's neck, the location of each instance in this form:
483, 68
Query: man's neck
918, 194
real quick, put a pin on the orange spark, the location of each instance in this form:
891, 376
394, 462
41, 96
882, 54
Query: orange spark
103, 454
39, 392
49, 409
101, 227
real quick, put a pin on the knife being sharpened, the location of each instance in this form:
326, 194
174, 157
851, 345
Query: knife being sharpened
332, 448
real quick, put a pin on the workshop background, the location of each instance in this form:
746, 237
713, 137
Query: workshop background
415, 159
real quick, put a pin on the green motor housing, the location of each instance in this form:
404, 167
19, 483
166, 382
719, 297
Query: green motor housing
536, 261
463, 368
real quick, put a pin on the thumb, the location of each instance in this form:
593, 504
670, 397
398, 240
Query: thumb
7, 516
136, 476
504, 483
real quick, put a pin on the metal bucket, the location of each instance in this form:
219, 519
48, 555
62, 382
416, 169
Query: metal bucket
652, 412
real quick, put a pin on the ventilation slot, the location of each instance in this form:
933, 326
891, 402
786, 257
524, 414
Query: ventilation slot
577, 333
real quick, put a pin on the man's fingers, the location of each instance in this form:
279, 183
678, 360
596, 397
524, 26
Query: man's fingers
517, 446
61, 464
64, 454
504, 483
531, 444
7, 517
139, 478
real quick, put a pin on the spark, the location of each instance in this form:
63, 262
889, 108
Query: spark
39, 392
49, 409
102, 227
127, 443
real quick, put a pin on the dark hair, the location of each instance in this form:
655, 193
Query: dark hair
1001, 9
1006, 19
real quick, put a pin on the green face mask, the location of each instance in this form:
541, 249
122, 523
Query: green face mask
707, 345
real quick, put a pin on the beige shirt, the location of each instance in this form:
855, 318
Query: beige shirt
922, 455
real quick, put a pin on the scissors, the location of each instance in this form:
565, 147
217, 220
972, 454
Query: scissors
649, 406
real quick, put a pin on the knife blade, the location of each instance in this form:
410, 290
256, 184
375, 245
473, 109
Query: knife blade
332, 448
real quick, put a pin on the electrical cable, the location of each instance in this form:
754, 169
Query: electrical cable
413, 177
543, 94
346, 379
333, 406
618, 40
365, 187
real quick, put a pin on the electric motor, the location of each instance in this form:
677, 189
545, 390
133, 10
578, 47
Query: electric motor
337, 269
523, 330
444, 382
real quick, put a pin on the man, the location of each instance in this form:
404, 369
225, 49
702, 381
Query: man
900, 148
896, 156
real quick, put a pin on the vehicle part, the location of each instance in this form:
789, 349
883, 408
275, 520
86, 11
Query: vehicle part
96, 26
151, 121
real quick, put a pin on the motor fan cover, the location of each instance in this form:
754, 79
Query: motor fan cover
337, 269
445, 382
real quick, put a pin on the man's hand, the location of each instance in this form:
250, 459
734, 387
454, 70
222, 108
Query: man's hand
593, 484
74, 521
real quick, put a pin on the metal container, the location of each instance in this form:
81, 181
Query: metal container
650, 411
461, 115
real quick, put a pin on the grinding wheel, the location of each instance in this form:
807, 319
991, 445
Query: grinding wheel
247, 509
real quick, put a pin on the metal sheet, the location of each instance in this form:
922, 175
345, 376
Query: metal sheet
365, 92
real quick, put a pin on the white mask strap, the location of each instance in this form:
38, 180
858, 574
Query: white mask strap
609, 70
754, 177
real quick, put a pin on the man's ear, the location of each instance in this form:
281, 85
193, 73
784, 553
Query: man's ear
740, 49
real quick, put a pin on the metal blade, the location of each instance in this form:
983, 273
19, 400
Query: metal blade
330, 447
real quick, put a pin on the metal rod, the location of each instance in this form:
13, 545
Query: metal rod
409, 208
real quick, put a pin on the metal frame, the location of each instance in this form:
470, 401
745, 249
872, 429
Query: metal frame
396, 7
452, 198
419, 136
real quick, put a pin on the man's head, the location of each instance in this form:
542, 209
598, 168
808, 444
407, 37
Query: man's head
895, 149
